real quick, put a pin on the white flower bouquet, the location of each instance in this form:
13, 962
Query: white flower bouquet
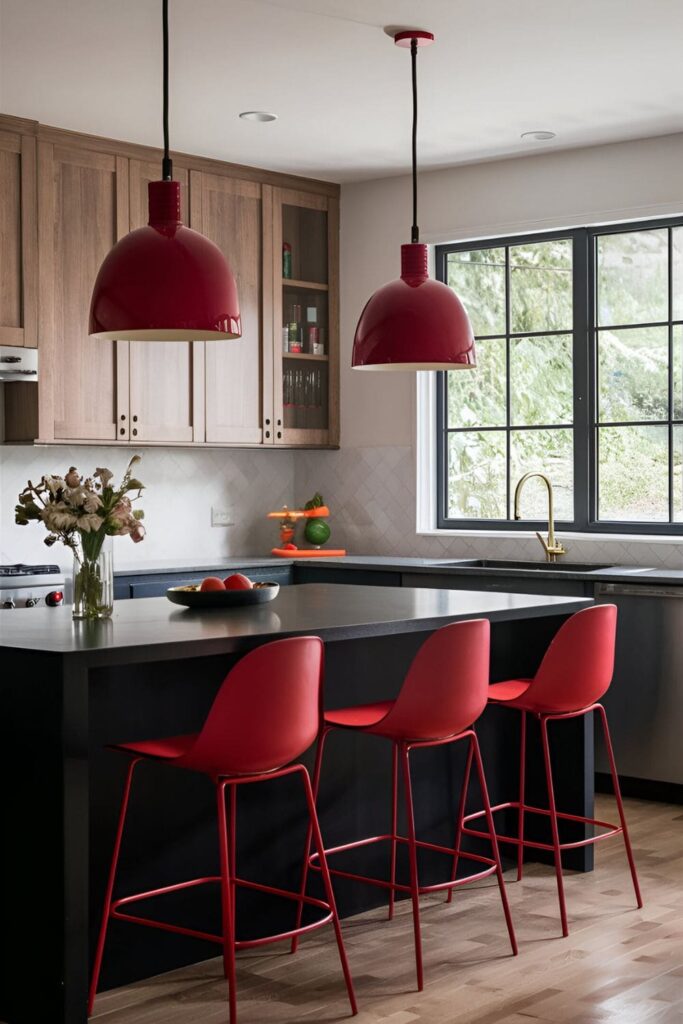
82, 513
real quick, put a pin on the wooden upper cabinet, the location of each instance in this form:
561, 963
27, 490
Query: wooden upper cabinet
305, 310
18, 240
166, 378
82, 212
229, 211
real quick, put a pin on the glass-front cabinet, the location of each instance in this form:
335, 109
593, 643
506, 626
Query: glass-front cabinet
305, 318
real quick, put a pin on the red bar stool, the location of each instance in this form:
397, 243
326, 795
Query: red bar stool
266, 714
575, 672
444, 692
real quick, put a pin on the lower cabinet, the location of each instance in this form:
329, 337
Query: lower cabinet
156, 584
329, 574
513, 584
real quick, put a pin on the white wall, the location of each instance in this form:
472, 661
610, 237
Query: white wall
181, 486
371, 484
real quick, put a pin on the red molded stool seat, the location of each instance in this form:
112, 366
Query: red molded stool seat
267, 712
575, 673
444, 692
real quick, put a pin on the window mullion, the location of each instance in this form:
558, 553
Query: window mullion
508, 444
670, 377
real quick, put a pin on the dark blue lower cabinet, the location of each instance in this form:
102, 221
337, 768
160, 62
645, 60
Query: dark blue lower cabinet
330, 574
156, 584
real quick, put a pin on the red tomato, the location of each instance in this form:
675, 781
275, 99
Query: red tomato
289, 547
212, 583
238, 582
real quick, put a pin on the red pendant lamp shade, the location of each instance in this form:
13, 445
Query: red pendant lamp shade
414, 323
165, 282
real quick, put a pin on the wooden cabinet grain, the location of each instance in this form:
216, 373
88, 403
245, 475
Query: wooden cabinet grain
18, 240
238, 401
82, 212
65, 200
305, 300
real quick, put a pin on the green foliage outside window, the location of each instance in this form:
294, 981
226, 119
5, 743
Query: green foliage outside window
516, 295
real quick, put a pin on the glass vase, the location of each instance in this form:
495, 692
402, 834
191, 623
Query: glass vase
93, 579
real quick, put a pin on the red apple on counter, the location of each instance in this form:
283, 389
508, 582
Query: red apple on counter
238, 582
211, 583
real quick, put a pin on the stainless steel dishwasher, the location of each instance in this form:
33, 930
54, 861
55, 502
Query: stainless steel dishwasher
645, 701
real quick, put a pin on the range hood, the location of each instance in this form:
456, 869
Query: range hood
18, 363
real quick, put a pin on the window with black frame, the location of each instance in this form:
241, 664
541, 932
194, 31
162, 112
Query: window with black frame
580, 376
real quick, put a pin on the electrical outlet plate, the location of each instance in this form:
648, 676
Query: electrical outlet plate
222, 515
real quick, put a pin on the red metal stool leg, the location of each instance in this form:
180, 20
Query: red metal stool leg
522, 791
329, 892
412, 853
461, 814
494, 842
232, 847
620, 805
394, 824
553, 824
227, 891
309, 834
97, 966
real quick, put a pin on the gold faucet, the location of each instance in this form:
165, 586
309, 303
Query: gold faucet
552, 547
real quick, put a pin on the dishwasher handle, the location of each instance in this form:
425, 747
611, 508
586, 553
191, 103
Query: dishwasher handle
608, 590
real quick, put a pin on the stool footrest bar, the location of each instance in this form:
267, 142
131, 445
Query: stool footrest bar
209, 937
612, 830
397, 886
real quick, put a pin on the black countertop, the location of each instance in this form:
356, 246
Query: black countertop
154, 629
441, 566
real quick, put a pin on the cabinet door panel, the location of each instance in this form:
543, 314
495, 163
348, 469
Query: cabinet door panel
83, 211
229, 212
18, 240
305, 374
166, 378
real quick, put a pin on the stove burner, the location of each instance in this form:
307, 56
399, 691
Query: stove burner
29, 570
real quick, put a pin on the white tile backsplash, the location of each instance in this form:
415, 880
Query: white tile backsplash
181, 487
370, 491
371, 494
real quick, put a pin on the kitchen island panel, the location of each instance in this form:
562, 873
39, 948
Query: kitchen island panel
68, 688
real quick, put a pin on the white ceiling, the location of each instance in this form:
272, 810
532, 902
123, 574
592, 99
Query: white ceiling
591, 70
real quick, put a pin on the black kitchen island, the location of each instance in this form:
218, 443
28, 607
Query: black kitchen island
67, 689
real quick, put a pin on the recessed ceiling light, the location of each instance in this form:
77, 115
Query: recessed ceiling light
257, 115
538, 136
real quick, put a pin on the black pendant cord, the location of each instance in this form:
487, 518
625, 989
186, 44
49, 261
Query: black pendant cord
167, 165
415, 231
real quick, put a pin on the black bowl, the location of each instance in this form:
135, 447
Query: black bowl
258, 594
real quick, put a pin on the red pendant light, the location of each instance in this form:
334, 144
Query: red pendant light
414, 323
165, 282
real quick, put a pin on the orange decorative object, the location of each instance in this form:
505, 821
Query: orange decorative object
309, 553
307, 513
288, 518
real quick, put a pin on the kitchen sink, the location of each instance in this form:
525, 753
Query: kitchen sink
508, 563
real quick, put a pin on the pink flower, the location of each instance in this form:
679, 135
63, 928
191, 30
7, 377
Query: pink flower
122, 510
137, 534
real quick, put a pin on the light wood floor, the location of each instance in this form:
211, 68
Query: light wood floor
618, 964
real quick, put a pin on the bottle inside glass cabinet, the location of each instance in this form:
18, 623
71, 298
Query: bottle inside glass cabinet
305, 319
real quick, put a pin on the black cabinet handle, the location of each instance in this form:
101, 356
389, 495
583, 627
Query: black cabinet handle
267, 433
122, 430
135, 433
